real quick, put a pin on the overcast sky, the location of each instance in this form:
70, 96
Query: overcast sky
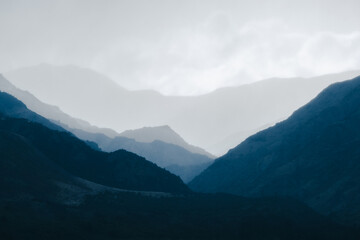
183, 47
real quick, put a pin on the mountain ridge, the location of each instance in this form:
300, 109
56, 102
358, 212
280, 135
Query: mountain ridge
119, 169
202, 121
312, 156
54, 186
162, 133
39, 200
106, 138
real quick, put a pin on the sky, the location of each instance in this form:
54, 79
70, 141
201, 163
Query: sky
183, 47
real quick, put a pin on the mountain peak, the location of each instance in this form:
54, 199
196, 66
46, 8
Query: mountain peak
162, 133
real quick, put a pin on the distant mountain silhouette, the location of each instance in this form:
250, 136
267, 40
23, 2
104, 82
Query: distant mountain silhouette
176, 159
172, 157
145, 134
164, 134
10, 106
313, 156
119, 169
50, 112
205, 121
183, 158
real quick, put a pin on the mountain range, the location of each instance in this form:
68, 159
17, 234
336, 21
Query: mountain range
55, 186
120, 169
172, 157
208, 121
312, 156
169, 150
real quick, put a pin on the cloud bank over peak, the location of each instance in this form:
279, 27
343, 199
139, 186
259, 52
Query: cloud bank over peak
183, 48
217, 53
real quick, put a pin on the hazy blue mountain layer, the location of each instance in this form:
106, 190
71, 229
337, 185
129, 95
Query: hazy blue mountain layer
50, 112
119, 169
207, 121
164, 134
185, 160
10, 106
172, 157
55, 186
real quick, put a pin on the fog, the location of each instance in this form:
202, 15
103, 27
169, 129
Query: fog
216, 121
183, 47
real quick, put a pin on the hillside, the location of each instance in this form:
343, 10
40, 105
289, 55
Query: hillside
312, 156
46, 194
10, 106
38, 199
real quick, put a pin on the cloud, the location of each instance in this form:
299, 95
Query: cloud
330, 52
169, 51
218, 53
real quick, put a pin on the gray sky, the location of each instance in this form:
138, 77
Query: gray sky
183, 47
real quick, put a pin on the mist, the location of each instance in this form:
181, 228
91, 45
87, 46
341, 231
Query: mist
183, 47
180, 119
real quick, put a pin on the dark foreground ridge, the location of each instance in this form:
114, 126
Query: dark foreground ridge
54, 186
313, 156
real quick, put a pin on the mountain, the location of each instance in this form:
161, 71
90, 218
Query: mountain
180, 159
119, 169
146, 134
313, 156
29, 175
99, 94
172, 157
175, 159
164, 134
54, 186
10, 106
25, 172
39, 199
51, 112
203, 121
